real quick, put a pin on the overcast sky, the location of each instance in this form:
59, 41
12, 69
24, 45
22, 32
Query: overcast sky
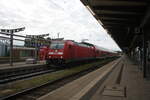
69, 17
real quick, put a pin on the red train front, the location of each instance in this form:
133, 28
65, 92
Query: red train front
55, 53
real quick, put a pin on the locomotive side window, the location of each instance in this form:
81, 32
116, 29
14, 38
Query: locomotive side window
57, 46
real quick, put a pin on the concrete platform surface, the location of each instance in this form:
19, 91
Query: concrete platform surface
80, 87
130, 81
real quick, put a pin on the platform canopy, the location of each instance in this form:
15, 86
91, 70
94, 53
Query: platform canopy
124, 20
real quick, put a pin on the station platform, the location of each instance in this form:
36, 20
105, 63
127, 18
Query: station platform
20, 64
118, 80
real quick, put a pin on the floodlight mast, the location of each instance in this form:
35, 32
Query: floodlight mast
11, 31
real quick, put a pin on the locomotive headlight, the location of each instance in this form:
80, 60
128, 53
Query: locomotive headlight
61, 57
60, 53
51, 53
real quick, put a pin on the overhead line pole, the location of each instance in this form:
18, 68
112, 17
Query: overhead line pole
11, 48
11, 31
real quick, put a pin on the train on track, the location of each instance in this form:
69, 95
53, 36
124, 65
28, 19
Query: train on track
66, 51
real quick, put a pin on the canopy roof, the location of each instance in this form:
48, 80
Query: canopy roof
124, 20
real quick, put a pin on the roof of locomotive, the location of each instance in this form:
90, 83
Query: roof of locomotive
86, 43
58, 41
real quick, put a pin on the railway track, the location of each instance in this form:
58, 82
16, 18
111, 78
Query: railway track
17, 74
35, 92
19, 77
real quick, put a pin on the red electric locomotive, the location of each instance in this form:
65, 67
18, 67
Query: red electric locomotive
65, 51
61, 52
43, 53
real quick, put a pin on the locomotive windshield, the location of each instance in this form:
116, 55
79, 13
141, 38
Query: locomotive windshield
57, 46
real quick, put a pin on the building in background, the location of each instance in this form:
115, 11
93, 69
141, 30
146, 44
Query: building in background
4, 48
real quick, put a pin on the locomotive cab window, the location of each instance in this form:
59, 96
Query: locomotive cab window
57, 45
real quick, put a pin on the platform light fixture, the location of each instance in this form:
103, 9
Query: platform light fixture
100, 22
88, 7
